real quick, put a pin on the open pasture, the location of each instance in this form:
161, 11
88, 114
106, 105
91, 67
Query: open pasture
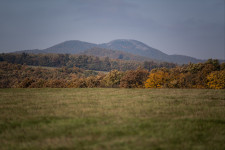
114, 119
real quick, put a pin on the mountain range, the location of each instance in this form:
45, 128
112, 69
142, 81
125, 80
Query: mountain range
116, 49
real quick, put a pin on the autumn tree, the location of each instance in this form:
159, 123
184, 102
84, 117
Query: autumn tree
112, 79
157, 79
93, 81
26, 82
134, 78
216, 80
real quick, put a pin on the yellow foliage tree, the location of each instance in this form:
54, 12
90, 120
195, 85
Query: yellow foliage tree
216, 80
157, 79
112, 79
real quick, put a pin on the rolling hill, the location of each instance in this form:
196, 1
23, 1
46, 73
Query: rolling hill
31, 51
114, 54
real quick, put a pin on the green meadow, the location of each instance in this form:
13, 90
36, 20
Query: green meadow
112, 119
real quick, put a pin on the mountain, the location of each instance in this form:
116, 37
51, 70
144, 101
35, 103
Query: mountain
141, 49
70, 47
117, 49
134, 47
114, 54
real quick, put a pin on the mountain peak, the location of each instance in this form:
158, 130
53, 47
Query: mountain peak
122, 40
70, 47
127, 43
73, 42
125, 40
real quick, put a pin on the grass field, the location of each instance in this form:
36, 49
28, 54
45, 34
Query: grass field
117, 119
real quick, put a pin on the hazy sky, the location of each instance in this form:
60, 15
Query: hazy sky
189, 27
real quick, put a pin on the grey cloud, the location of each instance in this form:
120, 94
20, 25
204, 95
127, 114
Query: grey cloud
173, 26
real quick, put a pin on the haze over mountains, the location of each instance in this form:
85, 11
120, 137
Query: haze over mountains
116, 49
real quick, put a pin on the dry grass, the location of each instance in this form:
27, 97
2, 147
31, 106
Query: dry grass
112, 119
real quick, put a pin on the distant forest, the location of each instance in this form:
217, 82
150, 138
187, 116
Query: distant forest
80, 61
76, 71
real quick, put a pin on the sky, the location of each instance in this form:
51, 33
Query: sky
188, 27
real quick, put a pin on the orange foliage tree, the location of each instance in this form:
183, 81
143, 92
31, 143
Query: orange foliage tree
157, 79
134, 78
216, 80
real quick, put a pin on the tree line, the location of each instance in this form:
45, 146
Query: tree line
210, 74
80, 61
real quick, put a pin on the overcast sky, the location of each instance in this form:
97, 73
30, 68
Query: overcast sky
188, 27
